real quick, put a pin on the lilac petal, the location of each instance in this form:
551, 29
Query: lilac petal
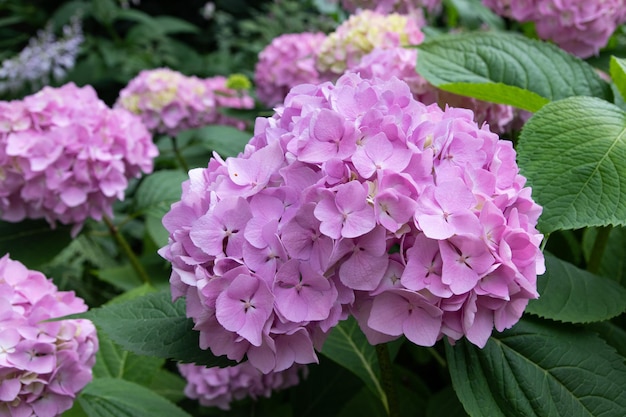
9, 389
362, 271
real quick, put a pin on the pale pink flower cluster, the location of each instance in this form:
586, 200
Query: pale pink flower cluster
354, 198
43, 365
219, 387
391, 6
169, 102
401, 63
361, 33
65, 156
287, 61
581, 27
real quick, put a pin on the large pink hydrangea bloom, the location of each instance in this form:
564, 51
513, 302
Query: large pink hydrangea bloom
169, 102
360, 34
581, 27
287, 61
43, 365
65, 156
219, 387
354, 198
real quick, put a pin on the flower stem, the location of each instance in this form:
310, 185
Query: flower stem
386, 372
179, 156
125, 247
595, 259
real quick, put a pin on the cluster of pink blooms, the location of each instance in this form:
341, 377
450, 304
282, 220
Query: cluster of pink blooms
169, 102
354, 198
65, 156
287, 61
219, 387
43, 365
581, 27
391, 6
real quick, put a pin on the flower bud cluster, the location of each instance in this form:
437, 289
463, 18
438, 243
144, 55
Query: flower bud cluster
357, 199
581, 27
169, 102
219, 387
65, 156
43, 365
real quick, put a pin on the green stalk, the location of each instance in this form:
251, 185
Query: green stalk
125, 248
179, 156
595, 259
386, 374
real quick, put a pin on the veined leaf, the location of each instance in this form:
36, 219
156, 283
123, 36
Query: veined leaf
573, 295
572, 151
508, 69
538, 370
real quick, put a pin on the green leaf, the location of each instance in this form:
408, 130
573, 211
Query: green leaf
572, 151
538, 370
445, 403
153, 325
573, 295
168, 385
348, 346
33, 242
612, 334
362, 404
154, 197
123, 277
225, 140
473, 14
508, 69
613, 261
617, 68
111, 397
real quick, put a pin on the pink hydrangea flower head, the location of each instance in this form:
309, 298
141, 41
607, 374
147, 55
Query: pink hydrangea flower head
354, 198
287, 61
220, 387
43, 365
580, 27
67, 157
363, 32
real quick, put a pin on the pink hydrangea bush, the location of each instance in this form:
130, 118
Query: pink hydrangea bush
66, 157
357, 199
43, 365
287, 61
219, 387
581, 27
169, 102
360, 34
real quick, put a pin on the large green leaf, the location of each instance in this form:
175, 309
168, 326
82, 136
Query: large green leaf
507, 68
538, 370
225, 140
613, 259
573, 295
154, 326
112, 397
33, 242
572, 151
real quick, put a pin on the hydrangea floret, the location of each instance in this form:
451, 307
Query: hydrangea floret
43, 365
354, 198
287, 61
581, 27
220, 387
360, 34
66, 157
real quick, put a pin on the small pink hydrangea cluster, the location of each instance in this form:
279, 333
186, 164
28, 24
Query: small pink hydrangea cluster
227, 98
287, 61
65, 156
391, 6
168, 101
401, 63
219, 387
43, 365
581, 27
357, 199
360, 34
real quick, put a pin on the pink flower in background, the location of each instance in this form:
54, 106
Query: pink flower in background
66, 157
43, 365
391, 6
416, 218
169, 102
287, 61
581, 27
219, 387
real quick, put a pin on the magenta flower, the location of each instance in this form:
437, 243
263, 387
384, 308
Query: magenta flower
67, 157
43, 365
417, 222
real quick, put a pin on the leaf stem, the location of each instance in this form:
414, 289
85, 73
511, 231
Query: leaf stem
125, 247
595, 259
179, 156
386, 373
